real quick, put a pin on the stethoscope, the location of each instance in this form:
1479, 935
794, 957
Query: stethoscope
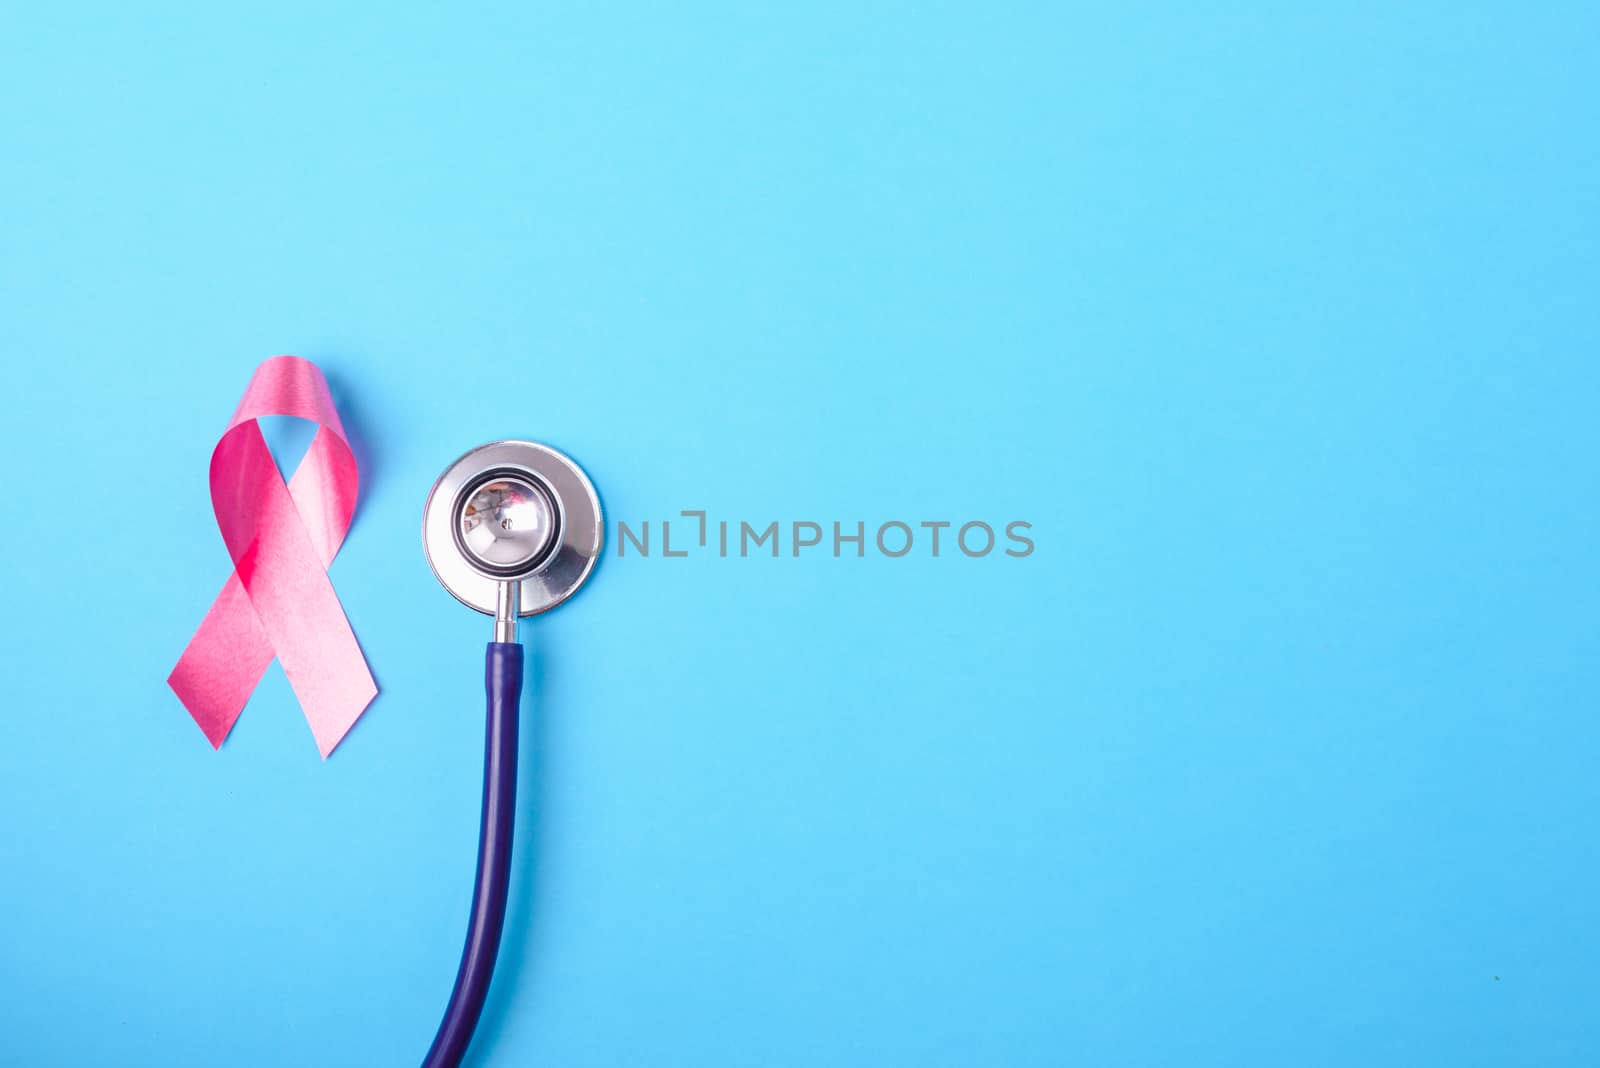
511, 529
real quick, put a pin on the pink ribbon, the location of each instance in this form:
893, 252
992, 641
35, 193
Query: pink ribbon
279, 600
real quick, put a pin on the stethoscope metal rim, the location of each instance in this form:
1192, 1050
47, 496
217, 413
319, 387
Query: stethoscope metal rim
580, 537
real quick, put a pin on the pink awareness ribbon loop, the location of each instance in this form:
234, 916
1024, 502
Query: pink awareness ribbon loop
279, 600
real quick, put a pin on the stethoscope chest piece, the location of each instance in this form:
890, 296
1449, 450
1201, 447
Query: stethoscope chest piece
512, 515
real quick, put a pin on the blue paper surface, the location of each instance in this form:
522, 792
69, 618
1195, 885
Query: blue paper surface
1276, 324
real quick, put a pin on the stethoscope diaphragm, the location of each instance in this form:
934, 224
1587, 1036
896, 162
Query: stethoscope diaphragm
512, 511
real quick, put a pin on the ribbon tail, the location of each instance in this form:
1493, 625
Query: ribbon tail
222, 664
335, 691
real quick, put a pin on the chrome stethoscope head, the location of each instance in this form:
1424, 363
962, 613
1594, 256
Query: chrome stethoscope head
512, 529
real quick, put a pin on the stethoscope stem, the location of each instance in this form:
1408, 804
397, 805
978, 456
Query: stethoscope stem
507, 601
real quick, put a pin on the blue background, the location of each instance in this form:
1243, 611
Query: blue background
1279, 327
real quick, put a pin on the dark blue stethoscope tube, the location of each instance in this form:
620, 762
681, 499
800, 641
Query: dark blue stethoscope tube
503, 678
